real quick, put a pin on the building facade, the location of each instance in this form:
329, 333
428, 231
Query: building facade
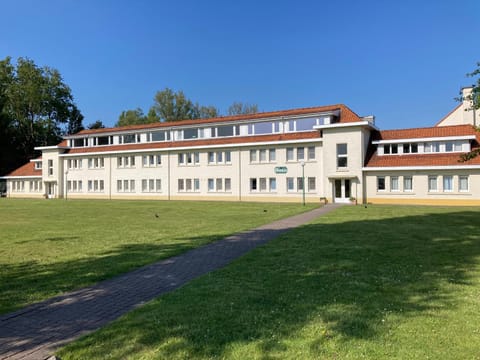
326, 153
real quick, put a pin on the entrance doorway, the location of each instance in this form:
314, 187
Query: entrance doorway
51, 190
342, 190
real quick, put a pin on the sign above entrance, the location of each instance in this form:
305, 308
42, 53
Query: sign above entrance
281, 170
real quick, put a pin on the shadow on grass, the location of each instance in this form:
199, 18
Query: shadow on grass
345, 278
26, 281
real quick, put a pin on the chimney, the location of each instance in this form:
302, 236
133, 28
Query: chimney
370, 119
469, 114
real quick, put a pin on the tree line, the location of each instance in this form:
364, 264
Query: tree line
175, 106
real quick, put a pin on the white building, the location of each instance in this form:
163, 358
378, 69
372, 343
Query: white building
317, 154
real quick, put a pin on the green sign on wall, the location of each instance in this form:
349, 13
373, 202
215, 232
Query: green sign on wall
281, 169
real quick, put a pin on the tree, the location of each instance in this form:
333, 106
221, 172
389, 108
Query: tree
474, 97
96, 125
37, 107
174, 106
239, 108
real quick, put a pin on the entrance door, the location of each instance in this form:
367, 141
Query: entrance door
51, 190
342, 190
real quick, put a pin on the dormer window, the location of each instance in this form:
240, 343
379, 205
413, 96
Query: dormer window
38, 165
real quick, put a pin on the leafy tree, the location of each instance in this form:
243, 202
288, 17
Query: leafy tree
474, 97
239, 108
37, 108
96, 125
136, 117
174, 106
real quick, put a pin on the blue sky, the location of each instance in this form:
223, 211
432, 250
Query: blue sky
402, 61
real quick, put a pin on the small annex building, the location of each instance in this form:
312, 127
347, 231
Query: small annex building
325, 153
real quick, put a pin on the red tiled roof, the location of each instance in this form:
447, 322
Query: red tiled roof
437, 159
441, 131
443, 159
346, 115
26, 170
201, 142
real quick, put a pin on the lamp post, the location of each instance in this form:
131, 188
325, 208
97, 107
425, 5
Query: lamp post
303, 181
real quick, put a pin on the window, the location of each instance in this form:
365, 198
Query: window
299, 183
219, 184
103, 140
463, 183
128, 139
211, 185
228, 157
272, 184
90, 185
151, 185
219, 157
144, 185
380, 183
263, 128
300, 154
253, 155
342, 156
263, 184
181, 158
181, 185
38, 165
449, 146
190, 133
228, 184
253, 184
272, 156
394, 148
311, 184
159, 136
290, 184
225, 130
196, 184
50, 167
311, 153
394, 186
447, 183
306, 124
432, 183
211, 157
407, 183
263, 155
290, 154
158, 185
386, 149
125, 185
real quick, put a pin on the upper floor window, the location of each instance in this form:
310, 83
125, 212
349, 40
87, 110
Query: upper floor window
152, 160
38, 165
50, 167
410, 148
342, 159
189, 158
159, 135
96, 163
463, 183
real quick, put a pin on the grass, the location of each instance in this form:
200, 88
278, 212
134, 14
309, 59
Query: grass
379, 283
49, 247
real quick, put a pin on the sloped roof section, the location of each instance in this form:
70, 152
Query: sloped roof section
195, 143
346, 115
431, 159
430, 132
26, 170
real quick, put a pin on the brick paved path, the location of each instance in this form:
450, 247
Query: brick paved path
37, 330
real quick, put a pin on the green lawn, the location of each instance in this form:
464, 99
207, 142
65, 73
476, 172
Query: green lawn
49, 247
378, 283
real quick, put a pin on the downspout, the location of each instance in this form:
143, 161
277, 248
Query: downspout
110, 179
168, 175
239, 174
